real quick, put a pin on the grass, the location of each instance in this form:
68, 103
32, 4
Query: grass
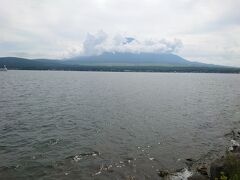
231, 166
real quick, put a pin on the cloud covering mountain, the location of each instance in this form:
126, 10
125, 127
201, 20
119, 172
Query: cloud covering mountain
96, 44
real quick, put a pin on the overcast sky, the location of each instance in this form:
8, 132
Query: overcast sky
200, 30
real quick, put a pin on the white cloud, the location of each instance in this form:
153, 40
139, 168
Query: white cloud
209, 29
98, 43
92, 43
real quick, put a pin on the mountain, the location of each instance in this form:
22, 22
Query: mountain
141, 62
163, 59
22, 63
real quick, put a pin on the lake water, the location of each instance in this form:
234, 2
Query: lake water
107, 125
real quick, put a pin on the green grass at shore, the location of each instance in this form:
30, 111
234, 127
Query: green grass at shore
231, 167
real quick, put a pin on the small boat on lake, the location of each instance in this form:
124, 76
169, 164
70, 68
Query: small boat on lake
4, 68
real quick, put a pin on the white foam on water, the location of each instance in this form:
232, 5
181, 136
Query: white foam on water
151, 158
234, 143
183, 175
97, 173
77, 158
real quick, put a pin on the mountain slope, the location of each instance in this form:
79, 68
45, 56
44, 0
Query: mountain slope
118, 62
22, 63
132, 59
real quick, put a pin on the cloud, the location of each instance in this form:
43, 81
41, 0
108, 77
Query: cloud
92, 43
98, 43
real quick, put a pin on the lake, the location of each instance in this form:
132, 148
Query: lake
108, 125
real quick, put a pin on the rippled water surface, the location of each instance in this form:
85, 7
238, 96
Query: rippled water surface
103, 125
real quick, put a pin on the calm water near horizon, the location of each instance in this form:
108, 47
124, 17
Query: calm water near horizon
70, 125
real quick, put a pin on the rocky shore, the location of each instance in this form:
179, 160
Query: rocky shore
226, 167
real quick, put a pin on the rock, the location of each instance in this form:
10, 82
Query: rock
216, 168
235, 143
179, 170
237, 150
236, 134
202, 170
189, 162
163, 173
197, 177
189, 159
234, 146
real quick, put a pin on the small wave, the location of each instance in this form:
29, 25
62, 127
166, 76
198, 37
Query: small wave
183, 175
234, 145
107, 168
78, 157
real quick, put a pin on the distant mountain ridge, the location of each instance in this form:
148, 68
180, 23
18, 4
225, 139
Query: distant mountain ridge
23, 63
143, 62
132, 59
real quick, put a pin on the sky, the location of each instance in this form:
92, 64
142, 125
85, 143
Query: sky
207, 31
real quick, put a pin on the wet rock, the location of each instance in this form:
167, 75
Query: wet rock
238, 131
235, 134
216, 168
189, 160
198, 177
236, 150
179, 170
202, 170
163, 173
131, 177
234, 146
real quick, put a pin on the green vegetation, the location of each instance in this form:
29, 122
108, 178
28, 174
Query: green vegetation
232, 163
231, 167
223, 177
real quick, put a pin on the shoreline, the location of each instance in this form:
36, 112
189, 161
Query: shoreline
225, 167
125, 71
